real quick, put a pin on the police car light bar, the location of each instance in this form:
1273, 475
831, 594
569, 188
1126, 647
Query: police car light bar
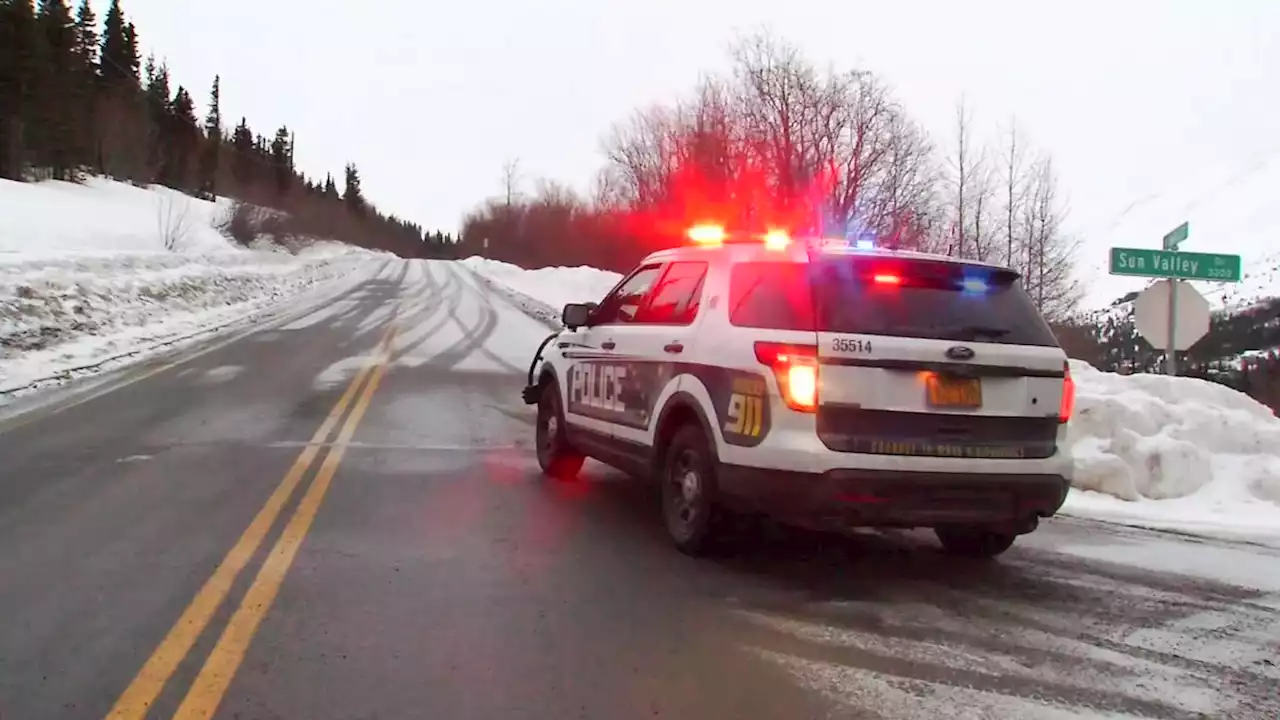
707, 234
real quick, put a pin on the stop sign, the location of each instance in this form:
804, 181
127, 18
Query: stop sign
1151, 315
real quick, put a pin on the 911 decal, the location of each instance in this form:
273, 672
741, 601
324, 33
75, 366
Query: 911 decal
740, 400
746, 407
851, 345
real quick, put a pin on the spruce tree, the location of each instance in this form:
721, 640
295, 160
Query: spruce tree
183, 139
55, 89
212, 153
242, 161
157, 99
114, 59
330, 187
282, 161
19, 63
351, 196
85, 85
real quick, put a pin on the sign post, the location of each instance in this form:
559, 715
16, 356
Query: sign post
1176, 268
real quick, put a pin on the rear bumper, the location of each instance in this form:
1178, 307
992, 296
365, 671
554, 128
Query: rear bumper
845, 498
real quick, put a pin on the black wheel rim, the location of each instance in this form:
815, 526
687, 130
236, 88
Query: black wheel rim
684, 494
548, 429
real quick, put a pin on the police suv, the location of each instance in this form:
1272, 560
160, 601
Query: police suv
819, 384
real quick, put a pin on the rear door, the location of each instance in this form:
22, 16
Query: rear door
933, 358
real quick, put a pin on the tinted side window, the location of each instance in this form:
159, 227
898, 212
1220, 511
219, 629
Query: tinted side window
675, 299
622, 304
772, 295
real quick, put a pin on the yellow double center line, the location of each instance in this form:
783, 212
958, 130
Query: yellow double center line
220, 667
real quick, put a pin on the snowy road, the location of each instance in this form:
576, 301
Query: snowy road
339, 516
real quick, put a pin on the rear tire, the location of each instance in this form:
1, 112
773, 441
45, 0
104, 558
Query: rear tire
556, 456
974, 542
690, 509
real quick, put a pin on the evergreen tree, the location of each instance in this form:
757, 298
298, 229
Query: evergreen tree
330, 187
183, 140
55, 88
241, 162
211, 156
132, 58
115, 59
85, 85
351, 196
282, 161
18, 65
157, 99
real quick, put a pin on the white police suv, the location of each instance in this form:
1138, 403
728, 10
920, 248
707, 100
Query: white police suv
819, 384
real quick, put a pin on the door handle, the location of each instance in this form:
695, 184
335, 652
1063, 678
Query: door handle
673, 347
608, 345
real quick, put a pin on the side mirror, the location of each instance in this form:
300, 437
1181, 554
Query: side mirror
577, 315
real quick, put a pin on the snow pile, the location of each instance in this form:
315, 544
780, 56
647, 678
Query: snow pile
96, 271
545, 290
103, 217
1173, 452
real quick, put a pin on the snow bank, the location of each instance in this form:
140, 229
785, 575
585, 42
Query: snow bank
103, 217
1150, 450
554, 287
1173, 452
95, 271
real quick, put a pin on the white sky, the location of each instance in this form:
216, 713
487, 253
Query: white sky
430, 98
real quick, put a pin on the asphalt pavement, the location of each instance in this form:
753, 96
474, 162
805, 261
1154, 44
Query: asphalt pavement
339, 515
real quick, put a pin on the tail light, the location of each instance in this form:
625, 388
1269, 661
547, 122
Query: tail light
796, 369
1068, 394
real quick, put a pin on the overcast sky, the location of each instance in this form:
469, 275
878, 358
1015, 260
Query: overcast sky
430, 98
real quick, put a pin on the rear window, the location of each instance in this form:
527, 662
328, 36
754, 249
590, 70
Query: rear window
888, 296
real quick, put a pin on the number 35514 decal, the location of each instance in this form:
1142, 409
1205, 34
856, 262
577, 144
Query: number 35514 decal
851, 345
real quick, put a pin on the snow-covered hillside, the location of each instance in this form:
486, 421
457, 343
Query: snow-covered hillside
1230, 210
1154, 451
96, 271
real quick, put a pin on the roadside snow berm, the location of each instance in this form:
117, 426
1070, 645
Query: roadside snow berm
1139, 437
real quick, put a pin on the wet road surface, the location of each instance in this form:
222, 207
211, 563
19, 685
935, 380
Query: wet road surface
339, 516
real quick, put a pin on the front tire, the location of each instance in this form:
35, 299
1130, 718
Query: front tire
693, 517
974, 542
556, 456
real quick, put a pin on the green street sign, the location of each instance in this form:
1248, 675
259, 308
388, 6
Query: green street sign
1144, 262
1176, 236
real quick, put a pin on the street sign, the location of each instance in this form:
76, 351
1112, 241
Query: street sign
1176, 236
1190, 312
1143, 262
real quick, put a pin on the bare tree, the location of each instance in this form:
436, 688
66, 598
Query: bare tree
1014, 186
173, 219
1050, 254
981, 199
960, 167
640, 156
511, 180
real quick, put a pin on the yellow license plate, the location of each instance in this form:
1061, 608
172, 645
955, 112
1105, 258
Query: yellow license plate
954, 392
